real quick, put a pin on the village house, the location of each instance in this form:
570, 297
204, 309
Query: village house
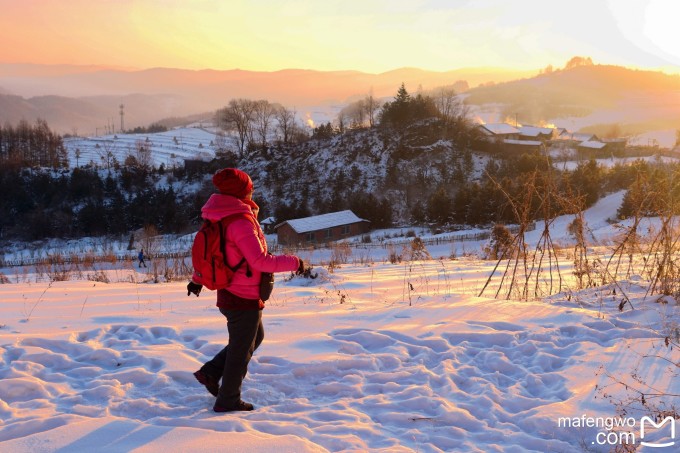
536, 133
499, 131
592, 145
268, 225
321, 228
519, 139
616, 145
522, 146
577, 137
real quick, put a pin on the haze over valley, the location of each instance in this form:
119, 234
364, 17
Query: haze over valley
85, 100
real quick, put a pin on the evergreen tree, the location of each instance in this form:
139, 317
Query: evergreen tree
440, 207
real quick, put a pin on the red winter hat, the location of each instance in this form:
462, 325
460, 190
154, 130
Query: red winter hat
234, 182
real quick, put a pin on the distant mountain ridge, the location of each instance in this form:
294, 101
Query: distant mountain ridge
89, 115
287, 84
87, 98
181, 92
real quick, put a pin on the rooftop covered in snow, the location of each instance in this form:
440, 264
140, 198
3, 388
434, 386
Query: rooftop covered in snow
323, 221
592, 144
534, 131
498, 129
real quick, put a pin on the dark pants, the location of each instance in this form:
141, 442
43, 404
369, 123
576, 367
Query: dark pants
246, 333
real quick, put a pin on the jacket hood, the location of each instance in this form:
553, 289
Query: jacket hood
219, 206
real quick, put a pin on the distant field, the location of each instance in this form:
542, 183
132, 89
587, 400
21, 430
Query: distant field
170, 148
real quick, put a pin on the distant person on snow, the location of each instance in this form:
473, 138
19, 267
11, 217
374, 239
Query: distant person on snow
141, 257
240, 303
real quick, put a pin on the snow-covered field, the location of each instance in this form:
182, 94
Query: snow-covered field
571, 165
169, 148
372, 356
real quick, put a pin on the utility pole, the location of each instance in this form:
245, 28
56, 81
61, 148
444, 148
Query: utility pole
122, 114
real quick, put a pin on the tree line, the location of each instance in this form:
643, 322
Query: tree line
44, 203
253, 122
26, 145
414, 150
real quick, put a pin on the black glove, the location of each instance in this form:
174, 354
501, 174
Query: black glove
194, 288
301, 268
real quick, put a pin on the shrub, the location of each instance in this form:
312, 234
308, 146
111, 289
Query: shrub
500, 243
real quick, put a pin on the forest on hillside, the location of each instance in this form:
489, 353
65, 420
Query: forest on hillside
412, 161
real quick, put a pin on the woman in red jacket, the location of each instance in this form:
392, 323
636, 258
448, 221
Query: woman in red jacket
240, 303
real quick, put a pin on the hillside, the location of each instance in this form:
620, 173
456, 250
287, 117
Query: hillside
423, 170
369, 356
583, 96
91, 115
359, 168
369, 171
169, 148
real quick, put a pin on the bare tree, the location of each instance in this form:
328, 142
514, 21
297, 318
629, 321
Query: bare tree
263, 115
341, 121
285, 123
105, 152
352, 116
448, 103
238, 116
371, 106
220, 142
143, 154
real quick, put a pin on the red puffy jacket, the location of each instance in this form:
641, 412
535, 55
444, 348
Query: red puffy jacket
245, 239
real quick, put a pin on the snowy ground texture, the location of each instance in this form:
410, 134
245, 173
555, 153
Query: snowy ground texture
369, 357
348, 364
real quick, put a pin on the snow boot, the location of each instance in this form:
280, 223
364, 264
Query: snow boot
210, 382
240, 406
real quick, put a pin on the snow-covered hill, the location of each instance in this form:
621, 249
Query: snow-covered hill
169, 148
369, 356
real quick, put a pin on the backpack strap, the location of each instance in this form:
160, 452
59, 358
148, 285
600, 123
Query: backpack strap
224, 223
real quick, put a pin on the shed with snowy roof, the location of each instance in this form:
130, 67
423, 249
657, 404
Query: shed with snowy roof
321, 228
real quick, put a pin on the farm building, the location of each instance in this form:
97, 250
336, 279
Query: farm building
321, 228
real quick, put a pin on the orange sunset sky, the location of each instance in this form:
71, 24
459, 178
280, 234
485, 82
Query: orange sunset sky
366, 35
